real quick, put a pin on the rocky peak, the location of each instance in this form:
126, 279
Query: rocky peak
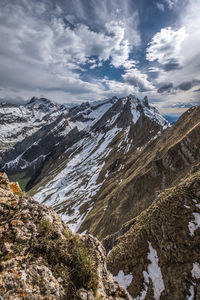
40, 258
145, 102
133, 98
42, 104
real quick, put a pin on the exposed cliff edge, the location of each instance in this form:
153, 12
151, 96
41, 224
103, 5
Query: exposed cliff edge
40, 258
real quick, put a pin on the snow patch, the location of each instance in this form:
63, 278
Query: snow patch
194, 224
191, 296
135, 113
154, 273
196, 270
124, 280
186, 206
154, 115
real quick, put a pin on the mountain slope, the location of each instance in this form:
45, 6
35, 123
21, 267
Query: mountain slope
18, 121
70, 181
41, 259
134, 179
160, 250
38, 130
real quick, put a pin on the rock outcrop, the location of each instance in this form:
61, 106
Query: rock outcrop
40, 258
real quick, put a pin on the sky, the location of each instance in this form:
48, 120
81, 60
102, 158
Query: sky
71, 51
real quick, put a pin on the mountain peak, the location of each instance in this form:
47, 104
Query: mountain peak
145, 102
39, 103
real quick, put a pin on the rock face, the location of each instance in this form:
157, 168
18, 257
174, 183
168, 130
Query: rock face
161, 246
41, 259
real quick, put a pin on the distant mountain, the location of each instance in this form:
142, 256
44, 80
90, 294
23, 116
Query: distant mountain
18, 121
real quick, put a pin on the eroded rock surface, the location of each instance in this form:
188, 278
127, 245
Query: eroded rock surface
40, 258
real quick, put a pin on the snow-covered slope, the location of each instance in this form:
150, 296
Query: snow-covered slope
65, 155
76, 184
72, 183
18, 121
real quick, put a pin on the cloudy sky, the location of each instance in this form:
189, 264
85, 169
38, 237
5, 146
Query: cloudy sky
78, 50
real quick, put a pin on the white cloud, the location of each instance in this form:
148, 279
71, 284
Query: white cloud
178, 49
41, 54
160, 6
166, 45
78, 44
153, 69
176, 52
171, 3
129, 64
118, 89
138, 79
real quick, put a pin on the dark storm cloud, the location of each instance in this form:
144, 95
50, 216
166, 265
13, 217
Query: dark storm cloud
184, 86
167, 88
187, 85
172, 64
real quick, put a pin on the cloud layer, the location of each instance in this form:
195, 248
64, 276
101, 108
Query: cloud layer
86, 50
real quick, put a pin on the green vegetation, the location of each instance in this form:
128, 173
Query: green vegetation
68, 257
21, 178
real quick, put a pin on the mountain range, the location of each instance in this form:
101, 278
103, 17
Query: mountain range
116, 169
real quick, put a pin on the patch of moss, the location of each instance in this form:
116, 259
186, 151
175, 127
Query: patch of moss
21, 178
68, 258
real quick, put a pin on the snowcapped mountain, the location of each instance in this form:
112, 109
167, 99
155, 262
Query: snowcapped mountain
68, 147
67, 160
114, 169
18, 121
118, 170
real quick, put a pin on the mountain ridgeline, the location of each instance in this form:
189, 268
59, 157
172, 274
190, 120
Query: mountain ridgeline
65, 161
118, 170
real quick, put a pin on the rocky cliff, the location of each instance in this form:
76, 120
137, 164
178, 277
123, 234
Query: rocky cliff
40, 258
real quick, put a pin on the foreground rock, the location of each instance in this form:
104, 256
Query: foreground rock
41, 259
160, 250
